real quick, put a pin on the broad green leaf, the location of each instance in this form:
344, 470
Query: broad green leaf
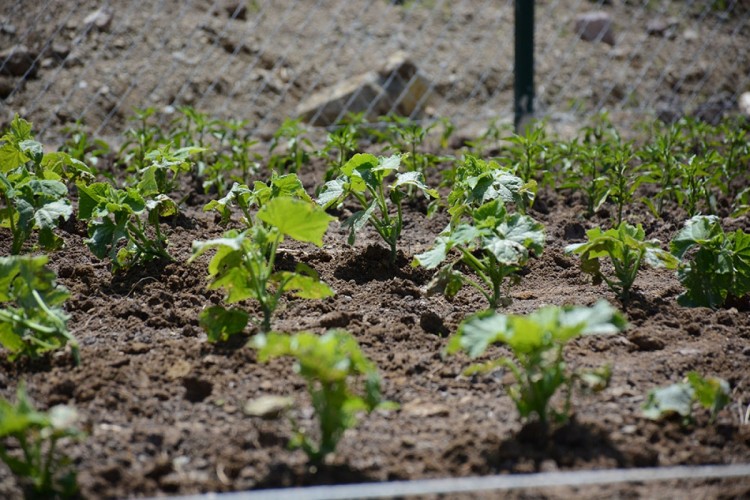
478, 332
415, 179
712, 393
741, 263
661, 402
434, 256
507, 252
699, 230
332, 193
358, 220
297, 219
220, 323
48, 215
303, 283
89, 197
357, 161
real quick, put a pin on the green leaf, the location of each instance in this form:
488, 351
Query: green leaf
220, 323
436, 255
359, 160
48, 215
332, 193
415, 179
358, 220
699, 230
476, 333
303, 283
89, 198
665, 401
297, 219
712, 393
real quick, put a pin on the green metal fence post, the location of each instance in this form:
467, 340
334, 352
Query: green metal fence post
523, 88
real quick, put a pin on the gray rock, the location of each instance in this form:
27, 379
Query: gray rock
595, 26
18, 60
398, 85
101, 19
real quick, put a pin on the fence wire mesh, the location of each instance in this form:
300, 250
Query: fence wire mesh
64, 61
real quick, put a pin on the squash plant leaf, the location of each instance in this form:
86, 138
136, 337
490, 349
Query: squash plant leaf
536, 341
297, 219
220, 323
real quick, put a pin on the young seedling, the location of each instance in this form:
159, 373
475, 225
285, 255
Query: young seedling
495, 245
342, 140
586, 167
712, 393
329, 363
537, 341
288, 185
244, 264
660, 160
627, 249
623, 175
476, 182
31, 321
32, 194
713, 266
529, 152
365, 178
140, 140
295, 154
163, 166
124, 224
43, 471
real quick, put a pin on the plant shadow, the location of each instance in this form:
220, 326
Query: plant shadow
282, 475
567, 445
373, 265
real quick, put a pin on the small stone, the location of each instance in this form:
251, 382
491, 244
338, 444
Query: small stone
100, 18
335, 319
595, 27
433, 323
419, 408
268, 407
18, 60
60, 50
744, 103
690, 35
137, 348
179, 369
646, 341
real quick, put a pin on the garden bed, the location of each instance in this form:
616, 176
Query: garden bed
163, 409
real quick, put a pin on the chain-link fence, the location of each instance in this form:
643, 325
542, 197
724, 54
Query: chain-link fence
264, 60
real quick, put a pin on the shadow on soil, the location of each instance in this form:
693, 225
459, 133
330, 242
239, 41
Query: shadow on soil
571, 444
285, 476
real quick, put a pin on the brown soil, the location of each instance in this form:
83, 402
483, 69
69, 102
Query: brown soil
164, 409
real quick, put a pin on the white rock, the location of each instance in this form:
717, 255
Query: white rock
100, 18
744, 103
